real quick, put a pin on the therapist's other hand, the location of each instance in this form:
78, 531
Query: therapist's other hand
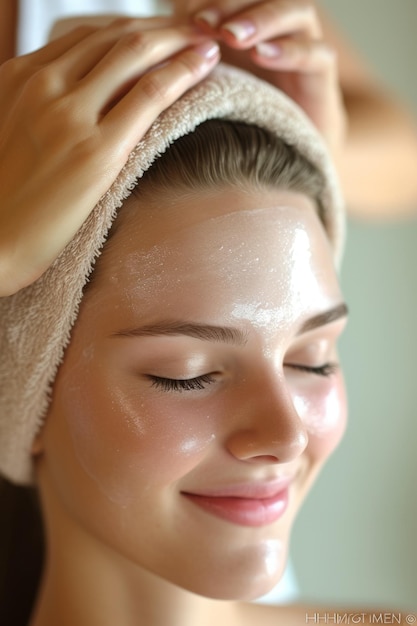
281, 41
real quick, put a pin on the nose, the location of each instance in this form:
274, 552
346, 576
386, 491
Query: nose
266, 426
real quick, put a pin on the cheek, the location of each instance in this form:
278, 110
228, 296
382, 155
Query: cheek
323, 409
125, 437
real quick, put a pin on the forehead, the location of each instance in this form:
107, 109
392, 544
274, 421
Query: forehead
201, 254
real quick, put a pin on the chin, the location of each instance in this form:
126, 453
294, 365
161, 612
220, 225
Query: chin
244, 576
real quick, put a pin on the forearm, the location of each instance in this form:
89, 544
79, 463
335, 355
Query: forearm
378, 166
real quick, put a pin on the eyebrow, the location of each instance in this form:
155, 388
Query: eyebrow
223, 334
327, 317
207, 332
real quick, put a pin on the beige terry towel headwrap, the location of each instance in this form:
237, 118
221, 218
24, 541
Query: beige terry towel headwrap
35, 324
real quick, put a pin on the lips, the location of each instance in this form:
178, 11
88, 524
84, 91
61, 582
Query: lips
245, 504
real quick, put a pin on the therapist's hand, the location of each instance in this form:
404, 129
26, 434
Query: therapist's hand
281, 42
70, 113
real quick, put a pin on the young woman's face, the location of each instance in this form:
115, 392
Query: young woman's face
200, 394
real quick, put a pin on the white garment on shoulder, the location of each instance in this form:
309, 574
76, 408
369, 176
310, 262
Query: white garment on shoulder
36, 17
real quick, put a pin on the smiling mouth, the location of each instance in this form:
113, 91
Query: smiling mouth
244, 511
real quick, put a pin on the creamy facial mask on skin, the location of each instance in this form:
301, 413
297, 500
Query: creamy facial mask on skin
129, 441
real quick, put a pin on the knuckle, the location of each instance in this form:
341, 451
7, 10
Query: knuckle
311, 15
84, 30
305, 58
45, 80
122, 23
155, 88
329, 59
12, 70
85, 150
128, 24
321, 56
191, 64
311, 18
138, 43
8, 71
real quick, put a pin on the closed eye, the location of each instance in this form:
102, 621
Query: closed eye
180, 385
328, 369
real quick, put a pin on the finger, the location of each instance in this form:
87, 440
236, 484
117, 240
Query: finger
87, 26
295, 54
16, 71
133, 55
68, 41
59, 46
261, 21
84, 56
74, 53
67, 24
128, 120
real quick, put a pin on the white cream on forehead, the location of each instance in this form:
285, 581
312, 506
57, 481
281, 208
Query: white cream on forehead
223, 241
271, 243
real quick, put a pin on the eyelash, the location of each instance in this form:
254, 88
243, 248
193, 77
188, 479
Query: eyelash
200, 382
187, 384
326, 370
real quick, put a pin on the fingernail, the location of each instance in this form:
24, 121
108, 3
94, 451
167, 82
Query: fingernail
270, 50
240, 30
208, 50
209, 16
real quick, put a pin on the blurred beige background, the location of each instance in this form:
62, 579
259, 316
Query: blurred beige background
355, 541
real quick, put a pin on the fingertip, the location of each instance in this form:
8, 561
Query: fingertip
239, 31
268, 50
208, 18
209, 50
